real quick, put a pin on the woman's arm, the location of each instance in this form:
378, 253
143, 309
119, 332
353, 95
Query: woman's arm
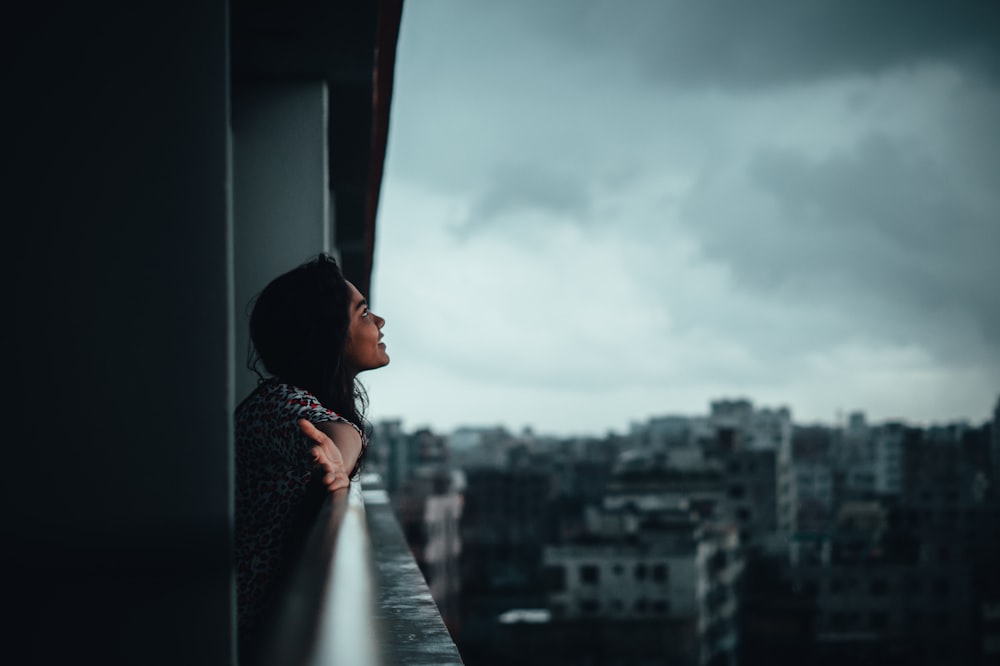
327, 455
344, 438
347, 440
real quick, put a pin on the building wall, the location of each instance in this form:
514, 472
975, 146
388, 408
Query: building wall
925, 612
751, 493
887, 444
117, 454
505, 518
619, 582
629, 584
281, 193
442, 514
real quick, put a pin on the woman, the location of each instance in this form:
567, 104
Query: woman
300, 431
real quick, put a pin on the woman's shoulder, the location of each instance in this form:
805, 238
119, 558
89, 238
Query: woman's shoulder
288, 392
277, 402
296, 402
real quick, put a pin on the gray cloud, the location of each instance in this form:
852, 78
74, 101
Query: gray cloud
769, 42
875, 227
528, 186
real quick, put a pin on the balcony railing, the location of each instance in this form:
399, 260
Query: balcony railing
356, 597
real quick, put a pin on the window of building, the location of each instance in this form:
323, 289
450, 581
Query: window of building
660, 573
660, 607
589, 606
880, 621
941, 587
640, 572
878, 587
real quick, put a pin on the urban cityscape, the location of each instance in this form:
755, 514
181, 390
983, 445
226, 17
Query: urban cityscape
734, 537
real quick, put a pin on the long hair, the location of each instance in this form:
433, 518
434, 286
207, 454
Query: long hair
298, 329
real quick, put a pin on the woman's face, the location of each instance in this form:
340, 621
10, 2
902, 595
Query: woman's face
364, 349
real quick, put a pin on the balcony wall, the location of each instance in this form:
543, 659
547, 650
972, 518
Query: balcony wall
356, 596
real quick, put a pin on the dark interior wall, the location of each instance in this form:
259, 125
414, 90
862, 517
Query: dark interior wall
117, 451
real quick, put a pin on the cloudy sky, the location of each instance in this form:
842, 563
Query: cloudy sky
597, 212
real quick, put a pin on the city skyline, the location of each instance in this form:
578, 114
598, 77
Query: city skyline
593, 214
733, 538
841, 420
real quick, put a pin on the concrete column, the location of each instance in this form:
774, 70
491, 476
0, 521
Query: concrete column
282, 211
116, 457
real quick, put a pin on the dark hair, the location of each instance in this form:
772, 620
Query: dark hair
298, 329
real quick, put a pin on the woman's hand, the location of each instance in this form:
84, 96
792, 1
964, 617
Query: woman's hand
326, 456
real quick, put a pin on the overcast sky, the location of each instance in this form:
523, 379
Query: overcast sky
597, 212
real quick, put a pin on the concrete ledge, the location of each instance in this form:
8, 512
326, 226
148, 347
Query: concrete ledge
409, 623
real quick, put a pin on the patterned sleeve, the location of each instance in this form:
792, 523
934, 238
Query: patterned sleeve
301, 404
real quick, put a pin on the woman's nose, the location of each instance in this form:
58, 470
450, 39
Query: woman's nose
379, 321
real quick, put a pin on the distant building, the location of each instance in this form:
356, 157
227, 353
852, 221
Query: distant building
815, 497
429, 508
506, 518
857, 425
732, 414
813, 463
876, 600
666, 570
751, 494
504, 525
745, 440
480, 447
750, 448
660, 561
393, 454
887, 449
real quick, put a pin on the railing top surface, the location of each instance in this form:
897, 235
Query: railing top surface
412, 630
356, 597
